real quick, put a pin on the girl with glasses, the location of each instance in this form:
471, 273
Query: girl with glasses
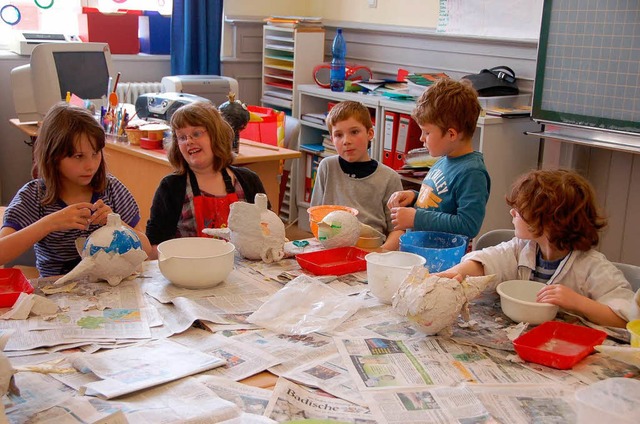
198, 194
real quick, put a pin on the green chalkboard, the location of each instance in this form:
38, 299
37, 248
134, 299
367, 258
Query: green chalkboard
588, 68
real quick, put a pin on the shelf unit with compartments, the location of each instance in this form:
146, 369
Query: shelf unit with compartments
316, 100
507, 151
289, 56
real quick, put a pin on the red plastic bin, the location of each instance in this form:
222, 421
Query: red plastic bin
267, 130
558, 344
338, 261
12, 283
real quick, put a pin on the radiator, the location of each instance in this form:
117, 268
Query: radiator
128, 92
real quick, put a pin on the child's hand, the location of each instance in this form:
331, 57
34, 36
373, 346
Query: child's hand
560, 295
74, 217
401, 198
402, 218
450, 274
100, 213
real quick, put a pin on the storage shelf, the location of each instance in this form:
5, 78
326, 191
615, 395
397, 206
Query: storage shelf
507, 151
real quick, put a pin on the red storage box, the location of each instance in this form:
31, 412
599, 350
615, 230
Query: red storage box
119, 30
12, 283
338, 261
266, 131
558, 344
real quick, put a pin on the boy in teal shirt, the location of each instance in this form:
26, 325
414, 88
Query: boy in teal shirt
454, 194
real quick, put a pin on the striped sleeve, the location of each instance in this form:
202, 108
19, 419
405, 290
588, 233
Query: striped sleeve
121, 201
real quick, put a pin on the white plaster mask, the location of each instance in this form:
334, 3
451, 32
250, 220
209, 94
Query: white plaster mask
434, 303
255, 231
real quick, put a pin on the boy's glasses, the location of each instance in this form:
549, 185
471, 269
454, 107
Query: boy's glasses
183, 138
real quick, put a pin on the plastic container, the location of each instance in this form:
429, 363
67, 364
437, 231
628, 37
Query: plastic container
614, 400
267, 130
558, 344
154, 31
385, 272
518, 302
441, 250
634, 332
12, 283
338, 62
338, 261
316, 213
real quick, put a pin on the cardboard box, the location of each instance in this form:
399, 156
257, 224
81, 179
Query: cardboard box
119, 30
155, 33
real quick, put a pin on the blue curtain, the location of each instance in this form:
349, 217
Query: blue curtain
196, 31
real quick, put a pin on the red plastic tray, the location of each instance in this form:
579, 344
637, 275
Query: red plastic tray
12, 283
338, 261
558, 344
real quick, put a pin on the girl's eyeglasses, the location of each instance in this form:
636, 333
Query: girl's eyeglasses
183, 138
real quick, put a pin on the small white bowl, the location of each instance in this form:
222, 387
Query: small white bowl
195, 262
518, 302
386, 271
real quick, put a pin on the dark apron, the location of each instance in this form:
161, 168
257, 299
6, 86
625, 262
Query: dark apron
212, 212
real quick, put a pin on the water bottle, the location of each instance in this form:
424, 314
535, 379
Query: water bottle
338, 64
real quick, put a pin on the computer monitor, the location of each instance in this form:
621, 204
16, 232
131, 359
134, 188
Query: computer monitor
57, 68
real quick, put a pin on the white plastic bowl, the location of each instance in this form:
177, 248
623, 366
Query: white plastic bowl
196, 262
385, 272
518, 302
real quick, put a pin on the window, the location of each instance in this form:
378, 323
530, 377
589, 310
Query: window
62, 16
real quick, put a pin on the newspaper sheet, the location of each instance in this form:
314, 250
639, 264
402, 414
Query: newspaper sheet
526, 404
376, 320
438, 405
294, 402
288, 269
285, 347
91, 311
242, 360
328, 374
38, 392
376, 363
134, 368
182, 401
236, 285
250, 399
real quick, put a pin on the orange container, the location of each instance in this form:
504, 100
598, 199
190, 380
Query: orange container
316, 213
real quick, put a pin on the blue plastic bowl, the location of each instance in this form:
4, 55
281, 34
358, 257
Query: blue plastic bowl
441, 250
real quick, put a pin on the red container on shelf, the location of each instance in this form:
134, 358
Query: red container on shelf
119, 30
558, 344
338, 261
12, 283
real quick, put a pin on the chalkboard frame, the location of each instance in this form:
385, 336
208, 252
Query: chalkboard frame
548, 115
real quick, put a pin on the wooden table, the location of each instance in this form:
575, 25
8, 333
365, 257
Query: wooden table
141, 170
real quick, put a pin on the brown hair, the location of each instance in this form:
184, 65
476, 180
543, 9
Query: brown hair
349, 109
560, 204
449, 104
201, 114
61, 129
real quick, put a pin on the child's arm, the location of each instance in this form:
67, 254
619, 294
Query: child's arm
393, 241
566, 298
463, 269
13, 243
401, 198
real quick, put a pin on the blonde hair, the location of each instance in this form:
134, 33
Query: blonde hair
59, 135
449, 104
201, 114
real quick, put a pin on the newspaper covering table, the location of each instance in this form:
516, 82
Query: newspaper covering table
146, 351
